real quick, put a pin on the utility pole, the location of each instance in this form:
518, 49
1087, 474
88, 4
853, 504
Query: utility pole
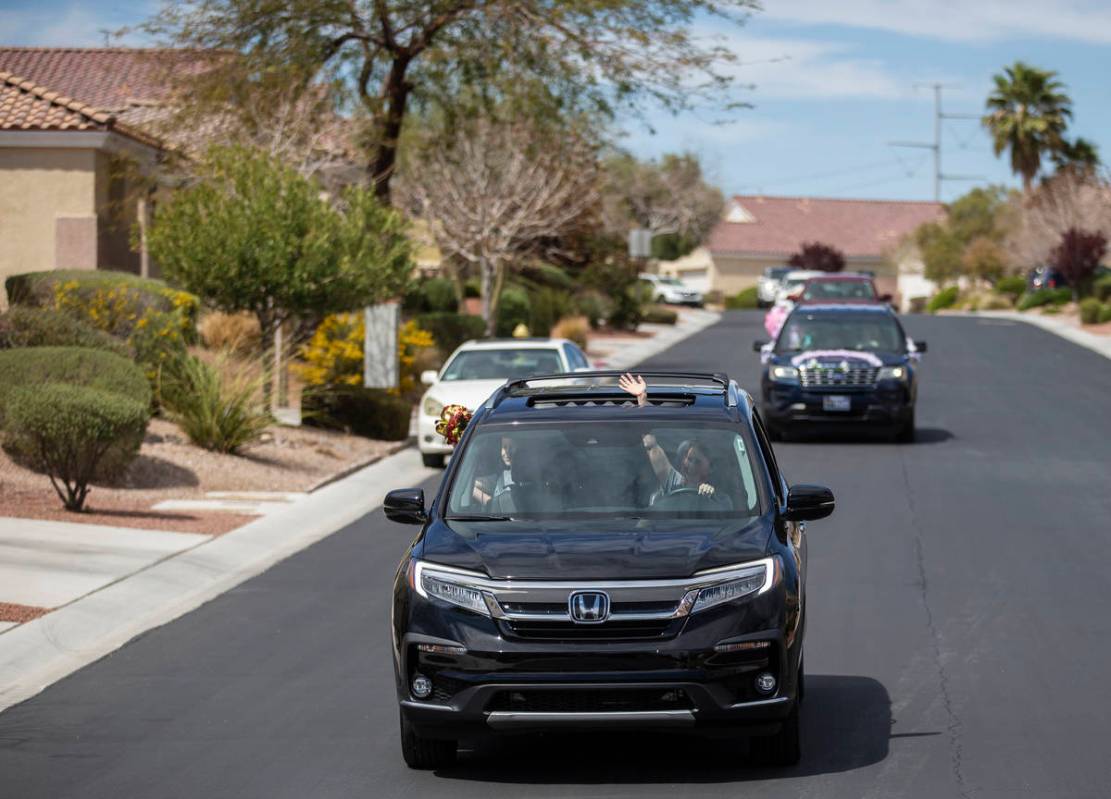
935, 146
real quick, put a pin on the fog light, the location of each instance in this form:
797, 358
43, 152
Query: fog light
765, 683
422, 686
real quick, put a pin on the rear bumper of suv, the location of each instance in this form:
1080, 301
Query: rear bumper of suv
800, 410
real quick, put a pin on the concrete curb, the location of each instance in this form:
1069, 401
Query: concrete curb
1097, 344
43, 651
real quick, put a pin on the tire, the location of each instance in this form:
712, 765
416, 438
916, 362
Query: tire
907, 431
432, 460
782, 749
424, 753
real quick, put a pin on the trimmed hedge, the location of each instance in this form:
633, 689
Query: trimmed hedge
1101, 288
1013, 286
1105, 313
946, 298
1036, 299
742, 300
655, 314
24, 326
110, 301
449, 330
1090, 309
363, 411
436, 294
96, 369
75, 434
594, 305
514, 308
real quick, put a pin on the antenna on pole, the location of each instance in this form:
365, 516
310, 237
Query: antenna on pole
935, 145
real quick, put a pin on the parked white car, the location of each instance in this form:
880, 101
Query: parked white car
476, 369
769, 283
672, 290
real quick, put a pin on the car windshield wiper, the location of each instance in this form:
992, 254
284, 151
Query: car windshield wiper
477, 517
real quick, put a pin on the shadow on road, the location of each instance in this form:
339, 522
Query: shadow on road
846, 726
922, 435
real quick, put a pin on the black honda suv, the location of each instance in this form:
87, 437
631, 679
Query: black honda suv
591, 562
846, 367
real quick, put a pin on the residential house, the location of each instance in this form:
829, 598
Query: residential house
757, 232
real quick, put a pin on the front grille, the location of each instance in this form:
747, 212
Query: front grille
589, 701
836, 377
606, 631
445, 688
560, 608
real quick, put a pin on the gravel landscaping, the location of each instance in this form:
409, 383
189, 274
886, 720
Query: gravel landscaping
288, 459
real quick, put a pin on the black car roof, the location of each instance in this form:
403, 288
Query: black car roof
591, 396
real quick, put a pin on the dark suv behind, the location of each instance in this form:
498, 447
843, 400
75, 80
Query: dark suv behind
840, 367
590, 563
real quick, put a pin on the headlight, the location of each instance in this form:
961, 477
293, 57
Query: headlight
784, 374
432, 406
893, 373
448, 585
744, 581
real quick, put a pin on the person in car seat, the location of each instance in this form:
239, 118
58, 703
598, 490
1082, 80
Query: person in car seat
693, 470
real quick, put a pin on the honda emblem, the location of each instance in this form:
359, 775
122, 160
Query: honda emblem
589, 607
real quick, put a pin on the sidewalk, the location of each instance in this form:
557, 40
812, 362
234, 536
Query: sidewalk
1060, 327
114, 584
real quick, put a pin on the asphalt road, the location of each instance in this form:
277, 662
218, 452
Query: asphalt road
958, 640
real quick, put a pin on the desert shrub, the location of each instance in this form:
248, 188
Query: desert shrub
159, 346
217, 410
549, 275
232, 332
363, 411
472, 288
109, 301
1051, 310
546, 307
1044, 297
995, 302
714, 297
628, 304
1090, 308
742, 300
574, 328
334, 354
72, 433
25, 326
1012, 286
593, 305
1105, 313
449, 330
1101, 288
514, 309
80, 366
658, 315
946, 298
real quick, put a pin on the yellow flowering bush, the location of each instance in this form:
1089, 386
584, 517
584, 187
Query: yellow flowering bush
334, 354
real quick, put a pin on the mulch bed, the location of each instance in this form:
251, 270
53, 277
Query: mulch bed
10, 611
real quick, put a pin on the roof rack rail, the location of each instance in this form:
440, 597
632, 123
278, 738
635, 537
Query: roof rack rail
582, 381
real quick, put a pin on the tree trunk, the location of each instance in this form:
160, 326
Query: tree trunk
486, 271
396, 92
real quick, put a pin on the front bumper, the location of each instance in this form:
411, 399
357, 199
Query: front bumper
794, 408
429, 442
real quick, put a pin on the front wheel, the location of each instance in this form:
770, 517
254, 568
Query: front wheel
432, 460
425, 753
782, 749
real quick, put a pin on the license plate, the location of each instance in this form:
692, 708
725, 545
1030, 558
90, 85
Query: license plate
836, 402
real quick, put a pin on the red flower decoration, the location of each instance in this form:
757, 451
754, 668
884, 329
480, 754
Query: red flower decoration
453, 421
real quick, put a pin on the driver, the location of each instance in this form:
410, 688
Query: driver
693, 470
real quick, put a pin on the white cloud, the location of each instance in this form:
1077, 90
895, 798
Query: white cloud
957, 20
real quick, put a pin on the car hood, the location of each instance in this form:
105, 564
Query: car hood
834, 358
468, 393
596, 550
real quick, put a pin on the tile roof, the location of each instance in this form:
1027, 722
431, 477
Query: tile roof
780, 225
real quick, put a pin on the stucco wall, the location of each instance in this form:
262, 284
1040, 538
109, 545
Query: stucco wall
37, 187
117, 214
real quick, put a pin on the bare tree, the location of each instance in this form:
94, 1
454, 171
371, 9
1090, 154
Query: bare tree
495, 191
1069, 200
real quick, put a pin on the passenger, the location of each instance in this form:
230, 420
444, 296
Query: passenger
497, 482
694, 463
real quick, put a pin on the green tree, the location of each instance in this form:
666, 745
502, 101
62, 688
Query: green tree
941, 252
1080, 155
253, 235
390, 58
1027, 113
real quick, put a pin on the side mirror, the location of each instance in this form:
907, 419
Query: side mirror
405, 505
920, 345
429, 377
758, 346
806, 503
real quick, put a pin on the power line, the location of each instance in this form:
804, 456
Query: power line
935, 145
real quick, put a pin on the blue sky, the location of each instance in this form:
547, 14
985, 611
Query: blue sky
833, 85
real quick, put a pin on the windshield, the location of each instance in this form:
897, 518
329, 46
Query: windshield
839, 290
670, 281
610, 469
507, 364
872, 332
776, 273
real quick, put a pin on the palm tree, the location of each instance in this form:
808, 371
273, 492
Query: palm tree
1027, 113
1079, 154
